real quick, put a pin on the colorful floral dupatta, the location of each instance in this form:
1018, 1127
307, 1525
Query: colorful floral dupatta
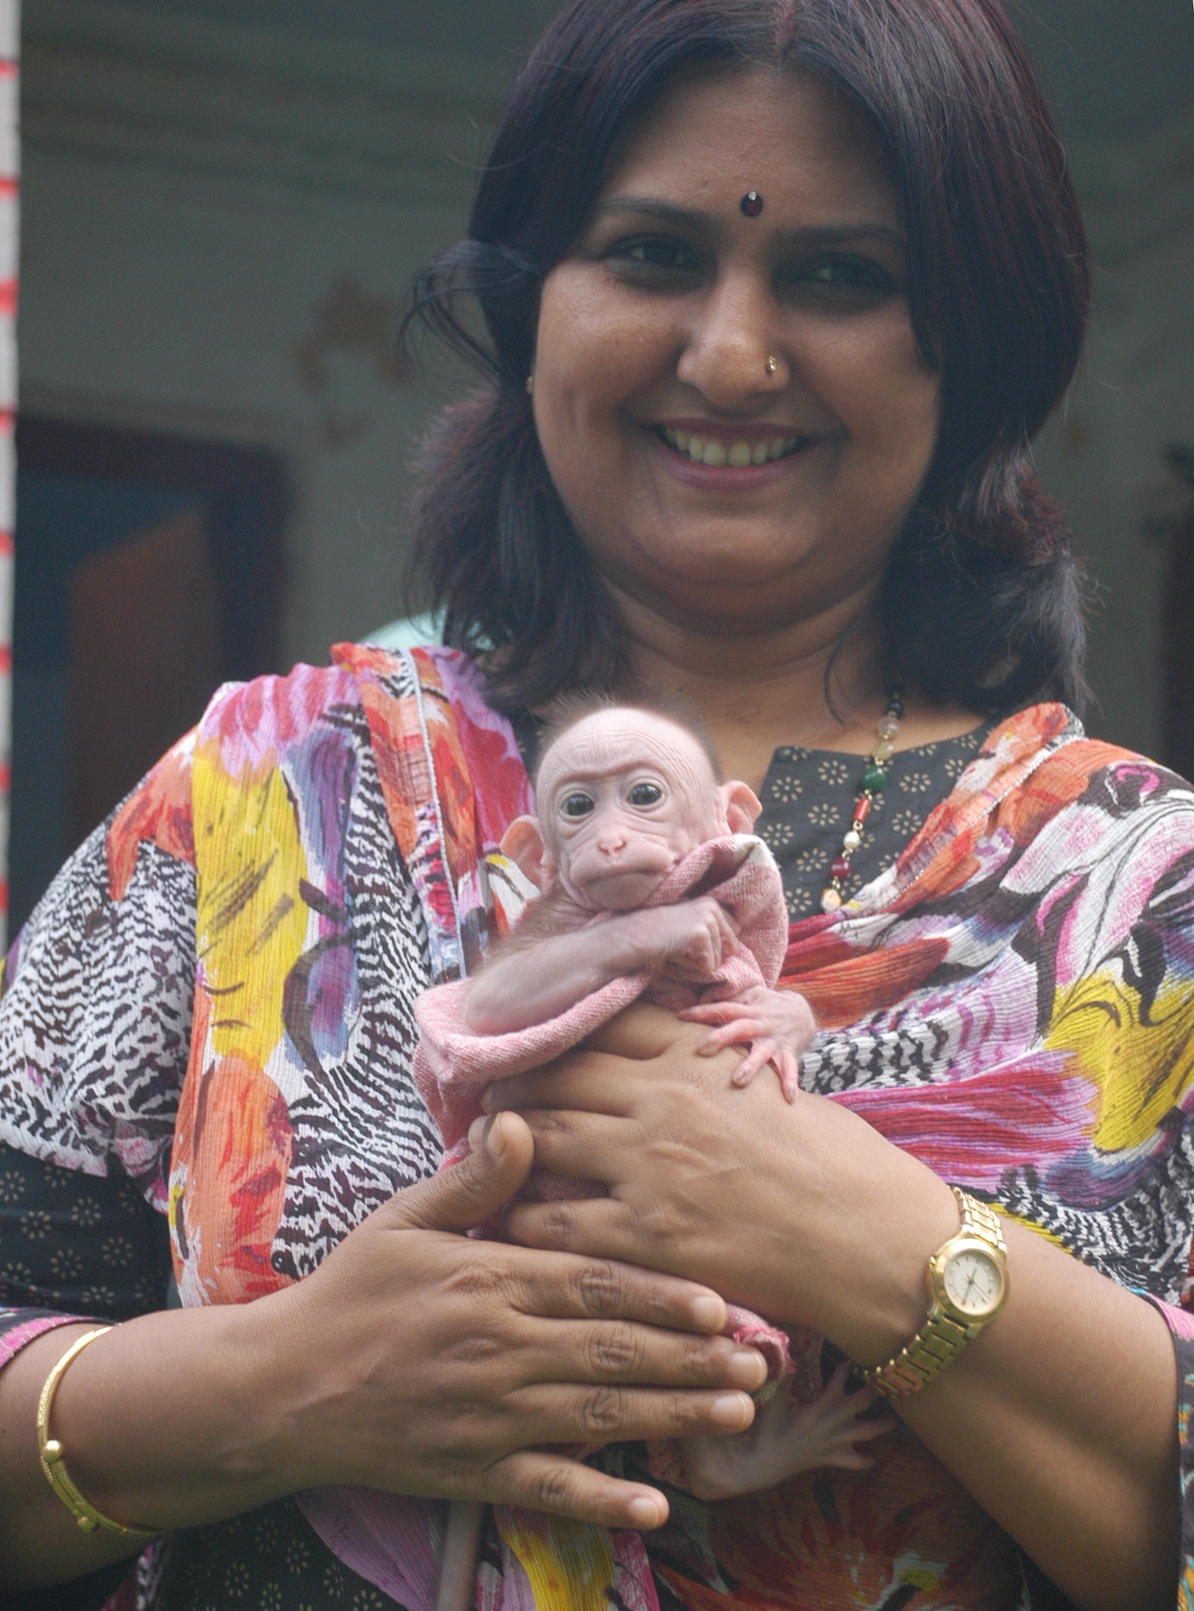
1012, 1002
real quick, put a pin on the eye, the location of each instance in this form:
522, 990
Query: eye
841, 278
645, 794
654, 256
577, 805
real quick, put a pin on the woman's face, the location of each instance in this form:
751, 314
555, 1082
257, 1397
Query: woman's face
658, 329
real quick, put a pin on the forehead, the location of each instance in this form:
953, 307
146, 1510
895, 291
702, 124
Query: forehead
610, 742
811, 153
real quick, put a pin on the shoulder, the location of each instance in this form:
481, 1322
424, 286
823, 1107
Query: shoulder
276, 713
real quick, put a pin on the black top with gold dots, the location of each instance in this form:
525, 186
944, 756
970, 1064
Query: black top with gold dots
808, 801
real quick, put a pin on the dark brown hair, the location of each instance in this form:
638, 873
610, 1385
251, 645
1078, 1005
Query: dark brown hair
982, 601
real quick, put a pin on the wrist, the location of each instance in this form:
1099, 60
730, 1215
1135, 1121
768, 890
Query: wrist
174, 1419
884, 1303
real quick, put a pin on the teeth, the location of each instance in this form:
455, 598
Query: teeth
714, 451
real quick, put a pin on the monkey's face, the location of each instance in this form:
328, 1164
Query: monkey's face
623, 796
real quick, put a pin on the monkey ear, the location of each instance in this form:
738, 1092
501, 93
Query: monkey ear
740, 805
523, 843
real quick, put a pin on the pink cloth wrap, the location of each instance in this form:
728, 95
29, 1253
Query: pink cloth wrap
453, 1065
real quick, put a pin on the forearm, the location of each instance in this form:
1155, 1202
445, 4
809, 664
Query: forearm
169, 1421
1061, 1420
531, 986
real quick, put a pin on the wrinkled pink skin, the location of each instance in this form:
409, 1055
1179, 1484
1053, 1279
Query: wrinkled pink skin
785, 1438
624, 795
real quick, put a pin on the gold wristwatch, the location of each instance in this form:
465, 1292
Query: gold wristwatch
968, 1286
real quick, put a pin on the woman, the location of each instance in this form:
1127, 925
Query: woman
836, 238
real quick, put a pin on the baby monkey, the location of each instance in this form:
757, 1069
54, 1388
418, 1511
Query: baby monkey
625, 794
649, 885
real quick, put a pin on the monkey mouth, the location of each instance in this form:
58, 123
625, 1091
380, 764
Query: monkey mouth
737, 453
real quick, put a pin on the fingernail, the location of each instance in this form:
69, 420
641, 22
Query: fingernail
732, 1410
644, 1512
476, 1132
495, 1141
748, 1367
709, 1313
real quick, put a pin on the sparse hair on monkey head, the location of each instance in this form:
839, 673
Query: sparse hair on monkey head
572, 708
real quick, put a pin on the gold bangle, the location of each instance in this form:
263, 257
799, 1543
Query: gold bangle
53, 1455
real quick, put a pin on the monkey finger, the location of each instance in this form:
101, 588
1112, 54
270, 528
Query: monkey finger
760, 1054
848, 1460
712, 1012
866, 1430
787, 1066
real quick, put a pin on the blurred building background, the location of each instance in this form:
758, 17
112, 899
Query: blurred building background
224, 201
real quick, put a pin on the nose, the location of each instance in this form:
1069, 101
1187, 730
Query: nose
731, 355
611, 840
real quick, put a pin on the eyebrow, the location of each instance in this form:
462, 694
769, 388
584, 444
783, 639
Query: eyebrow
690, 218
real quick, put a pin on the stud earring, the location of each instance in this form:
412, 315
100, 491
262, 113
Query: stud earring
530, 385
772, 364
751, 204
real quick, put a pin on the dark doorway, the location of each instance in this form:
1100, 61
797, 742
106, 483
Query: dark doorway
148, 571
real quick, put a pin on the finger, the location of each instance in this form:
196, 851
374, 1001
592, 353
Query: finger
849, 1460
599, 1225
759, 1055
788, 1068
599, 1413
563, 1487
473, 1190
566, 1083
864, 1431
711, 1012
624, 1351
558, 1286
581, 1146
738, 1032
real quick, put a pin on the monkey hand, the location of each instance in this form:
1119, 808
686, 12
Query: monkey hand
777, 1024
690, 939
785, 1438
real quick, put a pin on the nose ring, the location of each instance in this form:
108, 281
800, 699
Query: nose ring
772, 364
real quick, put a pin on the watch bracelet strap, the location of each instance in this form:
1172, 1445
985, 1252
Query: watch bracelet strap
53, 1456
941, 1339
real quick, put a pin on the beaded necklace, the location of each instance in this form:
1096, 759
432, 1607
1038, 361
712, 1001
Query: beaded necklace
874, 778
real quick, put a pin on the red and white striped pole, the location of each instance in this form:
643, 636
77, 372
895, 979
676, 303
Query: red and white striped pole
10, 167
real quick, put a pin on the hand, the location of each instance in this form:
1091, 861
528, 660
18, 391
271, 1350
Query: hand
786, 1438
799, 1211
690, 939
440, 1362
777, 1025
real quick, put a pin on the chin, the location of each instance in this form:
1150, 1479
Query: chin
623, 892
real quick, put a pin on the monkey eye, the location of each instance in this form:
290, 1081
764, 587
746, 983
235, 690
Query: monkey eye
577, 805
645, 794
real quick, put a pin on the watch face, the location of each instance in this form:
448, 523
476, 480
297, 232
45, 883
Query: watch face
973, 1281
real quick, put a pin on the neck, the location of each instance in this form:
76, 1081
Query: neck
756, 690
